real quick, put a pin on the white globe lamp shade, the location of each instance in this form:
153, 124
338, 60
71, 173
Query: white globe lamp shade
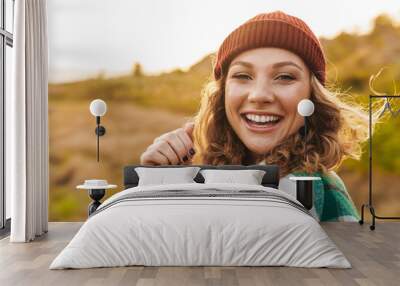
98, 107
305, 107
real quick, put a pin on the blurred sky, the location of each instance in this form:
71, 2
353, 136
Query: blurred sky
91, 36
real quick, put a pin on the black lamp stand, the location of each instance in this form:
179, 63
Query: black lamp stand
96, 195
369, 205
100, 131
304, 193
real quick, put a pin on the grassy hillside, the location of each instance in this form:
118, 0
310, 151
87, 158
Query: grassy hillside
142, 107
176, 91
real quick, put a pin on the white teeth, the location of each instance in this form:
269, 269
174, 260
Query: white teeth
261, 118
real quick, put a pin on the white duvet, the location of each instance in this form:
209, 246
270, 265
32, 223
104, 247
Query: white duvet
183, 231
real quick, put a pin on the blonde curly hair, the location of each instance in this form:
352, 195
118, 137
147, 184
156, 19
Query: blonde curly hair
336, 132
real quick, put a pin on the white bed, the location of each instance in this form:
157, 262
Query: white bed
269, 229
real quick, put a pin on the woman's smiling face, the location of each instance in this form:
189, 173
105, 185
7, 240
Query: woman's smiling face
263, 87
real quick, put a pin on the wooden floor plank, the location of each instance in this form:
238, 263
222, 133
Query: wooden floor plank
374, 255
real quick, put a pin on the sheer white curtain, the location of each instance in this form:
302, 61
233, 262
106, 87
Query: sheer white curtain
27, 123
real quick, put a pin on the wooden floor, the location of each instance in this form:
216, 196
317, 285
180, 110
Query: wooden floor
374, 255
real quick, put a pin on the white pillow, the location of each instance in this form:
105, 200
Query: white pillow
162, 176
249, 177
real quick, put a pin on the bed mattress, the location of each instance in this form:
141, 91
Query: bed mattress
198, 224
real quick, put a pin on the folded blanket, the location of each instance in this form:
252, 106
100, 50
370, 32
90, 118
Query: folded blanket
205, 194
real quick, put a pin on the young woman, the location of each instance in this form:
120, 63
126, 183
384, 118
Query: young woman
248, 113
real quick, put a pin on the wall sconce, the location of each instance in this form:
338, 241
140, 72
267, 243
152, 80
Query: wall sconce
98, 108
305, 108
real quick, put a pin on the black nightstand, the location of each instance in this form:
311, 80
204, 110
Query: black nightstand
304, 190
96, 190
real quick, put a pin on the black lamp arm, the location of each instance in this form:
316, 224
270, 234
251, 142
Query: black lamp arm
305, 139
100, 131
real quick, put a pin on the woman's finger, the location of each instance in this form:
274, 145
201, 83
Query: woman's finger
153, 157
177, 145
188, 128
165, 148
186, 141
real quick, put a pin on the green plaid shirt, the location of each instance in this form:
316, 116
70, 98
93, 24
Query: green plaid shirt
332, 202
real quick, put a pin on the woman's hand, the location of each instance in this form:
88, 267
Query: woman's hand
172, 148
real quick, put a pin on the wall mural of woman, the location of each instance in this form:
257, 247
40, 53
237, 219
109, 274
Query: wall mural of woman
248, 113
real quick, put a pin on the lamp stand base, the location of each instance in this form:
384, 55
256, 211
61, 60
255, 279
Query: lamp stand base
96, 195
374, 216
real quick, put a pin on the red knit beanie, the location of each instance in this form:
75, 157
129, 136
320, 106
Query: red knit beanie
275, 29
